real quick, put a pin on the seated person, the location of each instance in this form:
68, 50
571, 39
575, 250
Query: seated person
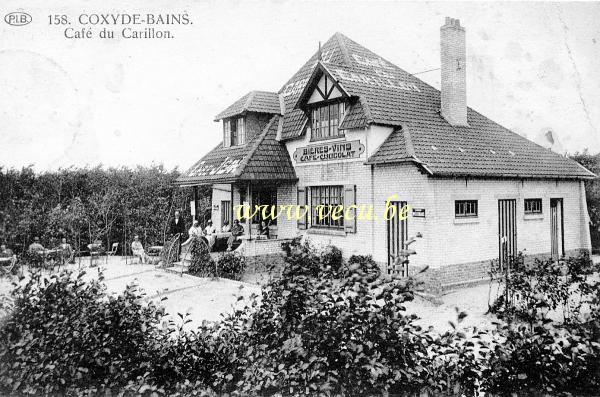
36, 247
211, 234
236, 230
194, 232
6, 252
226, 227
138, 249
66, 250
263, 230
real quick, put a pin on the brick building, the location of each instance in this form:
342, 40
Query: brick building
351, 128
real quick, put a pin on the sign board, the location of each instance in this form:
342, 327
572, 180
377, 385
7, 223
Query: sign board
418, 212
340, 150
215, 207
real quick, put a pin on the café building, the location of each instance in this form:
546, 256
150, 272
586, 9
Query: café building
351, 128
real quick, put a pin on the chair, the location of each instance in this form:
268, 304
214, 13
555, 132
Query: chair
113, 250
96, 250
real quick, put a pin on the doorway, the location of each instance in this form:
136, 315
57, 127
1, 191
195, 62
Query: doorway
397, 233
507, 232
557, 228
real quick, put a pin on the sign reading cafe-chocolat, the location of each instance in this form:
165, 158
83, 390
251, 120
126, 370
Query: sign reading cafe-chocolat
329, 151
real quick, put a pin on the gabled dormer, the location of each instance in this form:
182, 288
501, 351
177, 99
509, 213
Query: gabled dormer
324, 102
247, 117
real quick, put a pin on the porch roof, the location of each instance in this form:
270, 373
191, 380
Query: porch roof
262, 159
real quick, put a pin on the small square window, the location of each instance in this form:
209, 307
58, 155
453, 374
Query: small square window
533, 206
465, 208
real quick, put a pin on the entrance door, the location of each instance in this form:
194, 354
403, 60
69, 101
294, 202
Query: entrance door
507, 231
397, 233
225, 212
557, 240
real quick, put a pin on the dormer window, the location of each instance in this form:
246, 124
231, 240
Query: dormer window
234, 131
326, 119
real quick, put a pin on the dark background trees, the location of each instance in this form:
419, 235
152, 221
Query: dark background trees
88, 204
592, 190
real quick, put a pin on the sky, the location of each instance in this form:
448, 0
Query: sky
532, 67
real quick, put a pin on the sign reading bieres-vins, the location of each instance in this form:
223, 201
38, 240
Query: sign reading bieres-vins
329, 151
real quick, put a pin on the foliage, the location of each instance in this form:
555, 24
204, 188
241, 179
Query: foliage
231, 265
364, 265
544, 358
532, 290
308, 333
201, 263
86, 204
592, 192
67, 335
331, 258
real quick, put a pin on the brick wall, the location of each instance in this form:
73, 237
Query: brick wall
453, 72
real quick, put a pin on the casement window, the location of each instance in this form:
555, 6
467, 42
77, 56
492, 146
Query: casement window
234, 132
533, 206
323, 202
465, 208
326, 119
328, 207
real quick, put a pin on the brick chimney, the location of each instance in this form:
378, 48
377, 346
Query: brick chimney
454, 72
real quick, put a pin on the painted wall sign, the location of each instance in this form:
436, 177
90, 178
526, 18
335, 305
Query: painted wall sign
329, 151
418, 212
227, 166
215, 207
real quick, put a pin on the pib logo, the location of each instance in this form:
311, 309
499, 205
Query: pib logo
17, 18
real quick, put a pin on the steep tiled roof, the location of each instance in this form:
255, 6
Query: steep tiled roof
355, 117
263, 158
254, 101
385, 94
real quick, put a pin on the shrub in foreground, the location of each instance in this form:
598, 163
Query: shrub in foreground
308, 334
67, 335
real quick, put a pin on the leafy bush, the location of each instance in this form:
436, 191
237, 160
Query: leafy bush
544, 358
532, 290
67, 335
201, 263
331, 258
231, 265
364, 265
307, 334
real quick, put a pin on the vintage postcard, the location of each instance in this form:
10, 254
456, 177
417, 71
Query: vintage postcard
297, 198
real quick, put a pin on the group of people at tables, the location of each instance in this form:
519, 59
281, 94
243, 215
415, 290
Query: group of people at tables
63, 252
209, 232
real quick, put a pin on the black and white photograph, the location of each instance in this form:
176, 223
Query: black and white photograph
299, 198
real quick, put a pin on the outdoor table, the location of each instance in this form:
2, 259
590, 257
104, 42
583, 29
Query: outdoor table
155, 250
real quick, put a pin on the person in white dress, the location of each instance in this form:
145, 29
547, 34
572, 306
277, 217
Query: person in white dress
194, 232
211, 234
138, 249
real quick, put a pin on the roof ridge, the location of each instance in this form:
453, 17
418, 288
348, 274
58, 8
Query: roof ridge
410, 148
251, 96
366, 109
340, 39
240, 169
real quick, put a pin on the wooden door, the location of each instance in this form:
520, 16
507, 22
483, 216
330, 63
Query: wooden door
507, 231
397, 233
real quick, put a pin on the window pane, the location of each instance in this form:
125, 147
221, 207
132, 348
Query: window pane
241, 131
226, 134
324, 201
464, 208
